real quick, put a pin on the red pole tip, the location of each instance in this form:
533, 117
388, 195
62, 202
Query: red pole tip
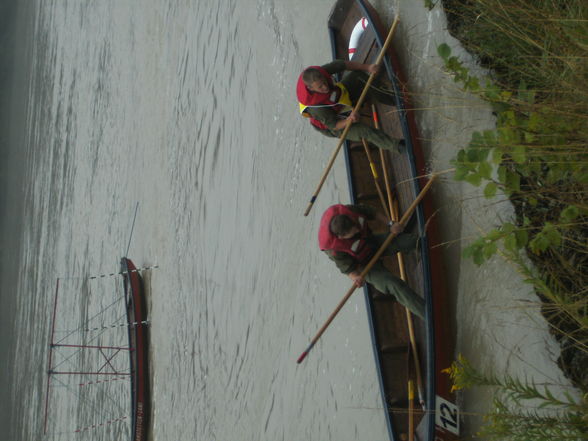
302, 357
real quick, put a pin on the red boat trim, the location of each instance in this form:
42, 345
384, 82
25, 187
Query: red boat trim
139, 360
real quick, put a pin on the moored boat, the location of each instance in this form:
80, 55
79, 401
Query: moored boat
400, 362
138, 341
95, 325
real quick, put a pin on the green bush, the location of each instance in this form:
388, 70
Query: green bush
523, 410
537, 58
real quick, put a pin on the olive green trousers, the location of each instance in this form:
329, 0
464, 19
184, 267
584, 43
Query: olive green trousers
386, 282
358, 130
355, 82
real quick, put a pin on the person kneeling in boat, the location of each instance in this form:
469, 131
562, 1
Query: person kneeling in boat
347, 239
326, 103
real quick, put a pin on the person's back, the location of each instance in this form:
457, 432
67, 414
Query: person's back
346, 238
329, 105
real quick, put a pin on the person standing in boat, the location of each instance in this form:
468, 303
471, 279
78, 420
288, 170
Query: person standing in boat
329, 105
345, 236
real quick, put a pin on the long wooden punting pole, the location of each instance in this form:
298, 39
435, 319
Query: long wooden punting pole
410, 394
394, 214
409, 322
355, 109
376, 178
410, 410
383, 160
368, 267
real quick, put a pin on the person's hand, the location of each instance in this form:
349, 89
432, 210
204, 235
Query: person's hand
342, 123
357, 279
353, 117
396, 228
373, 68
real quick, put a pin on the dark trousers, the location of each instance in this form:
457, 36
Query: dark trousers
386, 282
355, 82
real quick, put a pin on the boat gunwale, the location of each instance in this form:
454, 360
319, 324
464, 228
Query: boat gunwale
410, 142
416, 162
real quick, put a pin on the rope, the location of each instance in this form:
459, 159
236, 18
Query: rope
103, 381
95, 426
120, 325
138, 270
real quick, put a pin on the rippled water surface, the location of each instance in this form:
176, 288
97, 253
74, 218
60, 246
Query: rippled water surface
187, 109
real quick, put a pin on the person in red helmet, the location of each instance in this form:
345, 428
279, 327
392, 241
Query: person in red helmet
329, 104
345, 236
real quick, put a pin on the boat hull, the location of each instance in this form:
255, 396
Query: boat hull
138, 339
394, 353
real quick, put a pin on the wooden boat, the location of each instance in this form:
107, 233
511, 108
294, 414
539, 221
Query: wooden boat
93, 351
438, 418
138, 341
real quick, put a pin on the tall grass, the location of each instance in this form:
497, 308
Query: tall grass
537, 56
522, 410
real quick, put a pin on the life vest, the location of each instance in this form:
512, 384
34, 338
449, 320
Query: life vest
356, 246
337, 97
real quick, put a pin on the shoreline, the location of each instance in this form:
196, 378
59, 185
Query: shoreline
491, 304
562, 325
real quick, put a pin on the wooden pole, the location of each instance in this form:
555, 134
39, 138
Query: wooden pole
410, 410
410, 322
368, 267
376, 178
355, 109
383, 160
394, 213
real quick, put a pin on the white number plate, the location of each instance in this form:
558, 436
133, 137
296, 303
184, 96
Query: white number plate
446, 415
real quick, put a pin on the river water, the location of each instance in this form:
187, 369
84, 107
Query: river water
187, 110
